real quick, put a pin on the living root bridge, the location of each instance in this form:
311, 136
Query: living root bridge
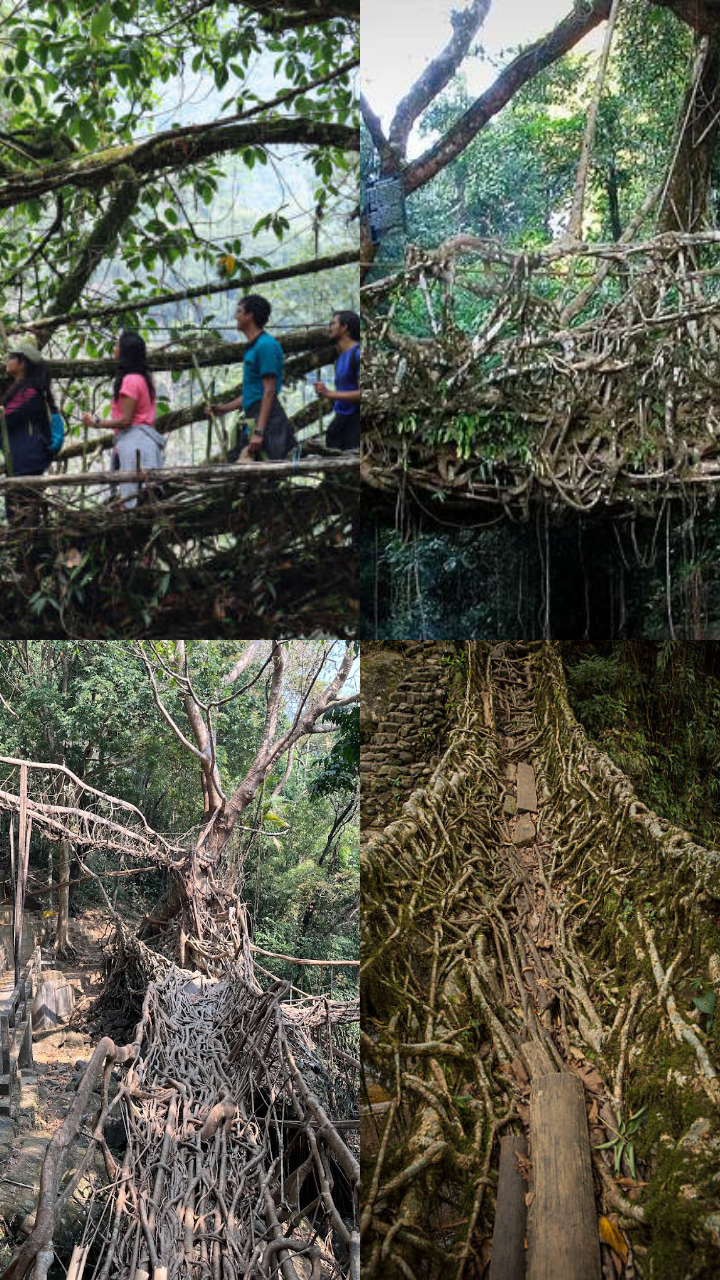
232, 1166
501, 945
230, 552
591, 377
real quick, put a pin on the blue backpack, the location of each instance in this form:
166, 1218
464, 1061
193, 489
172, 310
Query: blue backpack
57, 433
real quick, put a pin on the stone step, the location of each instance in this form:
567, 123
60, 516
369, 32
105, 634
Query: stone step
524, 832
526, 790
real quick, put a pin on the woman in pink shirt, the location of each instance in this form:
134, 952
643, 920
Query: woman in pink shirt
132, 413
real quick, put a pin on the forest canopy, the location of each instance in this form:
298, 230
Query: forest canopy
154, 159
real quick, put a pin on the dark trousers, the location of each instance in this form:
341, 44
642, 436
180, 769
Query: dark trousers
278, 437
344, 431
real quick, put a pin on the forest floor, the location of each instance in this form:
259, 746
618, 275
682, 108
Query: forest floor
48, 1090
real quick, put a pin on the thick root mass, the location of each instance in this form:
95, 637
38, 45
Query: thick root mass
239, 1155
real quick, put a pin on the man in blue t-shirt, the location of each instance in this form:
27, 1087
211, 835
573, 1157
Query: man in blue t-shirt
344, 430
273, 436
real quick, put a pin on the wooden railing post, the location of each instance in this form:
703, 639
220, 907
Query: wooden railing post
5, 1043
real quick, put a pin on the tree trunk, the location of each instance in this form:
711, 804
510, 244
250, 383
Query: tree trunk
685, 204
62, 940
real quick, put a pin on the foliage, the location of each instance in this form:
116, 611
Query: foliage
338, 770
89, 706
656, 711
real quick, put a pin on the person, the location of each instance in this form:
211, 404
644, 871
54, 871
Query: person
344, 430
272, 436
27, 404
132, 414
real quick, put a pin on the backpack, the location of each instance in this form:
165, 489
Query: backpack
56, 432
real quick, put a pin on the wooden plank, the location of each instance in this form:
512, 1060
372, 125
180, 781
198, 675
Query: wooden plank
536, 1059
508, 1246
563, 1237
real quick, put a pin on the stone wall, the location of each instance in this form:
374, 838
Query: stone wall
403, 722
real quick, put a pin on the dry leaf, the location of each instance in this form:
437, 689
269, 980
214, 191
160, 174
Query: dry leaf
376, 1093
593, 1113
73, 559
610, 1233
529, 1197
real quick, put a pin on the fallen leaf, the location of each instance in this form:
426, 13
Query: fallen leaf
376, 1093
610, 1233
529, 1197
73, 558
593, 1114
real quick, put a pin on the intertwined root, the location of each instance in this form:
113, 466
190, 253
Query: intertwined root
582, 940
589, 375
232, 1164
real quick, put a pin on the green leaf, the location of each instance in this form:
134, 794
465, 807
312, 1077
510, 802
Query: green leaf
100, 22
88, 133
706, 1003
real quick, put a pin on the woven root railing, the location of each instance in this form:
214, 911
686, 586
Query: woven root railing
228, 554
231, 1165
587, 375
580, 941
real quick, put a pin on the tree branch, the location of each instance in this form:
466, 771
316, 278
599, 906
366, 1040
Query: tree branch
190, 354
99, 244
389, 161
173, 149
543, 53
242, 663
241, 282
437, 75
199, 755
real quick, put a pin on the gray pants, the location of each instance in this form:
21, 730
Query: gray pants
140, 439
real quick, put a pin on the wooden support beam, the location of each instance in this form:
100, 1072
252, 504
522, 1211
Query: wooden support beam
508, 1246
563, 1237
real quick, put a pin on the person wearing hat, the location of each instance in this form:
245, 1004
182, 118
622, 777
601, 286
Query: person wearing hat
27, 404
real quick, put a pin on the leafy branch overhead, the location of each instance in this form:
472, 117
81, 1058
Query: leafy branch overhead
129, 131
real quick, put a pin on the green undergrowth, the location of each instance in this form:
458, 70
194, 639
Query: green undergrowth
656, 712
